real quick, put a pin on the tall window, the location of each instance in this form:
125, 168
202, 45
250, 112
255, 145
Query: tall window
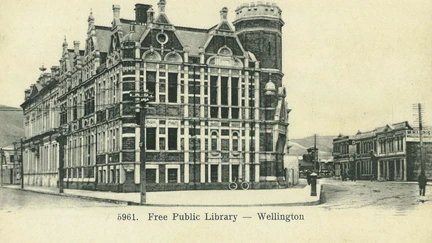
151, 138
113, 140
213, 90
63, 114
151, 82
234, 91
172, 138
172, 87
214, 173
224, 90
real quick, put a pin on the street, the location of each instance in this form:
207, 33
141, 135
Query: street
360, 211
19, 200
387, 196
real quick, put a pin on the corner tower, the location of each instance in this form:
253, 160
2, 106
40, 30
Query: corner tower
259, 28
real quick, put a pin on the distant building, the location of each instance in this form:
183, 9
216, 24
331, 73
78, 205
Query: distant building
391, 152
219, 111
326, 167
10, 165
291, 165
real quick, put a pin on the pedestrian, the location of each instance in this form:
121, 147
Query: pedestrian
372, 177
308, 178
422, 181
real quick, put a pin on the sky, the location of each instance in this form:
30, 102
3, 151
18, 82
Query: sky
349, 65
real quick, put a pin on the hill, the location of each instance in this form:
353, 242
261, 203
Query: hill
324, 145
11, 129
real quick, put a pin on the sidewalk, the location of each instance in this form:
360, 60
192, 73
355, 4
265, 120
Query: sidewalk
297, 196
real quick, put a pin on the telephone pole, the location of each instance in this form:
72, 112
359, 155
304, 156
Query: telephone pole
144, 98
418, 107
315, 153
22, 164
61, 139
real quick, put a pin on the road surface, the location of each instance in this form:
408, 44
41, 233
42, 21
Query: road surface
359, 211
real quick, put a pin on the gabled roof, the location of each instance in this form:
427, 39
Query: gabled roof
162, 19
103, 38
192, 38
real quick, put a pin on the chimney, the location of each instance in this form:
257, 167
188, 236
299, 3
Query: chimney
161, 6
76, 47
150, 15
116, 11
27, 94
141, 12
224, 13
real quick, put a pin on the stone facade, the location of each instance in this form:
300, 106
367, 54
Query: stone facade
391, 152
219, 111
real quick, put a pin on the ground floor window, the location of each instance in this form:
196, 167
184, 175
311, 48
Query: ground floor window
172, 175
151, 175
214, 173
235, 173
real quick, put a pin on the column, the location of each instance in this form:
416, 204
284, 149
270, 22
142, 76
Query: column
400, 170
257, 148
247, 152
209, 172
219, 171
379, 169
247, 117
394, 169
219, 90
404, 170
202, 128
186, 144
202, 151
387, 170
229, 95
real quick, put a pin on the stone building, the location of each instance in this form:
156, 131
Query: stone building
9, 160
390, 152
219, 111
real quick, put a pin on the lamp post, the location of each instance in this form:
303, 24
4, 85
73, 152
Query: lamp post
61, 139
144, 98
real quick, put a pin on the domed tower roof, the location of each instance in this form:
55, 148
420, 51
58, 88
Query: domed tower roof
133, 36
65, 44
270, 88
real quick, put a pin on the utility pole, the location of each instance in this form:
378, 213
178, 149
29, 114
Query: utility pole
143, 97
1, 166
418, 107
315, 153
61, 140
13, 163
22, 164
